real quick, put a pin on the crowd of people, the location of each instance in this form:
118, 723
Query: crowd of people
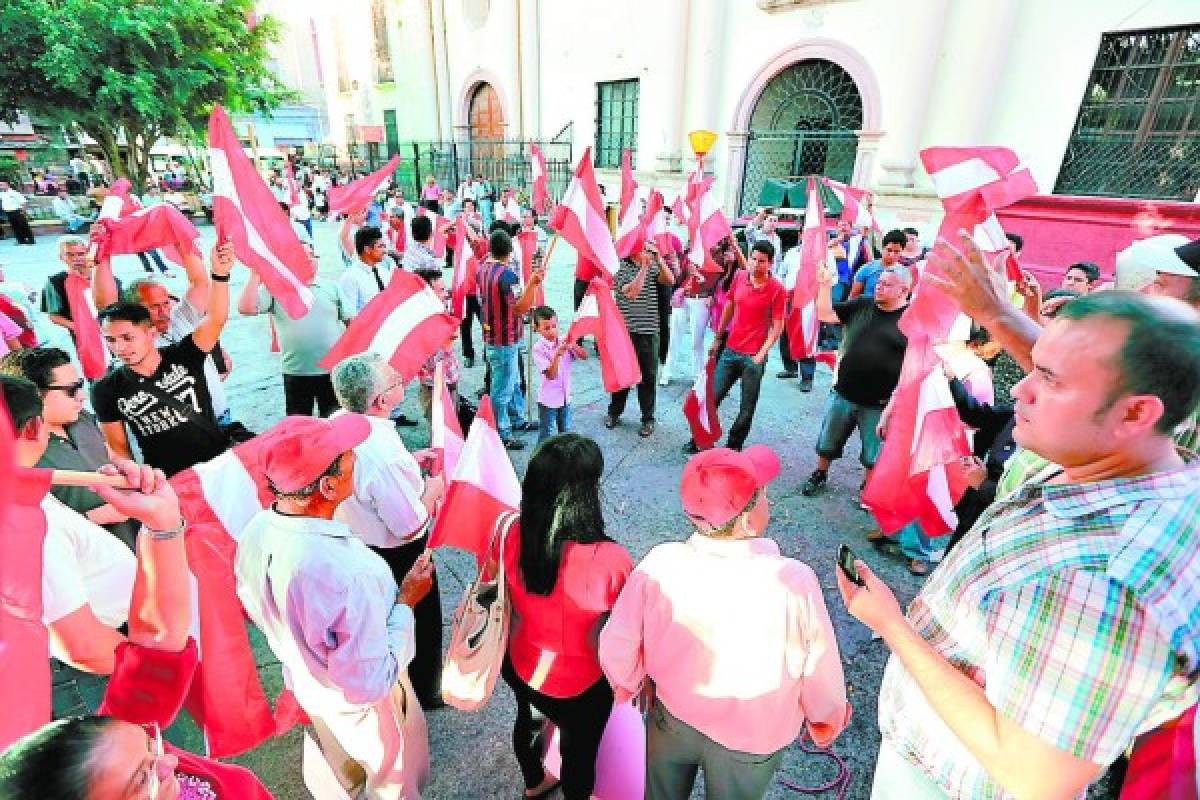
1058, 627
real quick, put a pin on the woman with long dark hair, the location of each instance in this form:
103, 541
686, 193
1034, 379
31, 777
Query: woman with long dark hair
563, 575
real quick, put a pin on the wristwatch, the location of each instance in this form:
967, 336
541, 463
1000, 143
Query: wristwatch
160, 536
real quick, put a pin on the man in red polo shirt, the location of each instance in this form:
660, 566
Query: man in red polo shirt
751, 323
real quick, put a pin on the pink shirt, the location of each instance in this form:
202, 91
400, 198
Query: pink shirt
736, 639
553, 392
552, 642
8, 330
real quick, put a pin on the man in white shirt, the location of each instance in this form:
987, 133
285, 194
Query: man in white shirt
64, 209
368, 274
331, 612
467, 190
87, 578
13, 203
392, 502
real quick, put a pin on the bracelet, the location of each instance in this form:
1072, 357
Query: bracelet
160, 536
220, 278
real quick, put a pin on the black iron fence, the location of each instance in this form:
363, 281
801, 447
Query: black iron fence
504, 163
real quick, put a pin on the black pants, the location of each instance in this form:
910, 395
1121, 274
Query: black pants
300, 392
664, 319
472, 309
646, 347
806, 366
425, 671
149, 256
580, 721
20, 226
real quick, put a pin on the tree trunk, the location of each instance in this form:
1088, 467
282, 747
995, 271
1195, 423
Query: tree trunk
107, 139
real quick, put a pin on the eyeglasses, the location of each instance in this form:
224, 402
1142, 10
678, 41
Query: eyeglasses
71, 389
156, 753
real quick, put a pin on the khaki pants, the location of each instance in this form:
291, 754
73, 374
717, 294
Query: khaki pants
382, 752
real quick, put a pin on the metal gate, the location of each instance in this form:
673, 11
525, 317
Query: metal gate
805, 122
505, 163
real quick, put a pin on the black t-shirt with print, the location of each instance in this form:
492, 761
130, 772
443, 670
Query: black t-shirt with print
872, 352
170, 412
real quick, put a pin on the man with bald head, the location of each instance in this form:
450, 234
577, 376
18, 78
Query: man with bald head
1063, 625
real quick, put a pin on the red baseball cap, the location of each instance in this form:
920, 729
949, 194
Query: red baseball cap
304, 447
717, 484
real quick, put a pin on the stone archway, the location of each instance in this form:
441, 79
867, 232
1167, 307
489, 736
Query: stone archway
813, 108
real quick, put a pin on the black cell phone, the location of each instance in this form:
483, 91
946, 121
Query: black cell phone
846, 559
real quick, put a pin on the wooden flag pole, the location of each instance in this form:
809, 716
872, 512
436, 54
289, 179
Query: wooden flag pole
72, 477
529, 390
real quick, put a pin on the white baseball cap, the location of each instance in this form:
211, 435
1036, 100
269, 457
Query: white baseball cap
1157, 254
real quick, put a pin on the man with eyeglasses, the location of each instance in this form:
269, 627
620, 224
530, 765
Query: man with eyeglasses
76, 441
302, 342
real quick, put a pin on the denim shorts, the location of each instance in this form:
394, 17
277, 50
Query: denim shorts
841, 418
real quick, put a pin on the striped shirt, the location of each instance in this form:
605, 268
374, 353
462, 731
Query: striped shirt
496, 284
1076, 607
640, 313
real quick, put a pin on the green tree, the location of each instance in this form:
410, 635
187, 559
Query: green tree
128, 72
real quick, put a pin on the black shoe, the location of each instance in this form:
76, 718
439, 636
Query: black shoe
690, 448
815, 483
433, 704
646, 429
514, 444
404, 422
468, 361
787, 374
610, 421
806, 385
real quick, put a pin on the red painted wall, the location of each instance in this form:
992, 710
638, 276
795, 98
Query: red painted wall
1060, 230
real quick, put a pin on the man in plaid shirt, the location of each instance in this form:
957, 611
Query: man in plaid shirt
1065, 622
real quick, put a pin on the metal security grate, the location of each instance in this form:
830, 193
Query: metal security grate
616, 121
805, 122
1138, 130
505, 163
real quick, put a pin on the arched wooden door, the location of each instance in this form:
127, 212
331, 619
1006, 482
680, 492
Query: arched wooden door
487, 133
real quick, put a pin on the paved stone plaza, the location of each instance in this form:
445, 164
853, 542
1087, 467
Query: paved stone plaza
471, 754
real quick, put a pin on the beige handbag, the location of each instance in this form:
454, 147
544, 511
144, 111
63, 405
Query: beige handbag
479, 635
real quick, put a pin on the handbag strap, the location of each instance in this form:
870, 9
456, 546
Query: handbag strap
500, 531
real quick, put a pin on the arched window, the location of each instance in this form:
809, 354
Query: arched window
805, 122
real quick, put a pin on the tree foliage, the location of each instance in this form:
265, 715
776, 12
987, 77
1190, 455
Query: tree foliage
127, 72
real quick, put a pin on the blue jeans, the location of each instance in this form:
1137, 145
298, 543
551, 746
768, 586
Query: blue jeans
732, 367
507, 401
914, 543
551, 418
841, 418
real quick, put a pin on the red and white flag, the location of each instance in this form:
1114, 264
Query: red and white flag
397, 232
466, 265
484, 486
679, 209
446, 436
539, 178
161, 226
599, 317
917, 476
630, 233
218, 498
358, 194
803, 327
655, 223
854, 204
246, 212
89, 343
581, 220
707, 224
24, 642
528, 241
437, 239
406, 323
700, 408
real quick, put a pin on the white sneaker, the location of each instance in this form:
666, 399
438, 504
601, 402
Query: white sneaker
664, 379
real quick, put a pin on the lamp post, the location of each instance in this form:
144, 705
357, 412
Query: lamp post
701, 142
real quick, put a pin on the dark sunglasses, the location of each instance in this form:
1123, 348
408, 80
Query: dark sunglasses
71, 389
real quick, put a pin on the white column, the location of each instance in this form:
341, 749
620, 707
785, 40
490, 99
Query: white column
865, 159
529, 73
736, 159
674, 81
446, 100
921, 29
705, 59
969, 72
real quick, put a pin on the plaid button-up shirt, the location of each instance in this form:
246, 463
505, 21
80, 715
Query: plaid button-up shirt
1076, 607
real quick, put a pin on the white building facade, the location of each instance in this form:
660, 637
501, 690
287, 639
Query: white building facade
1096, 96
